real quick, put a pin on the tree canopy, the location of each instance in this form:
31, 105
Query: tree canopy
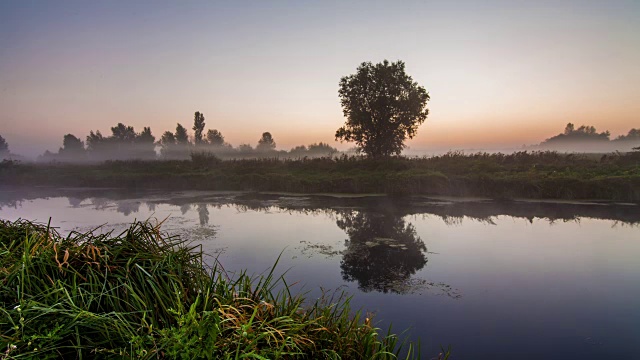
124, 143
95, 141
198, 127
632, 135
71, 145
167, 139
266, 142
123, 134
383, 107
181, 135
215, 138
145, 137
4, 146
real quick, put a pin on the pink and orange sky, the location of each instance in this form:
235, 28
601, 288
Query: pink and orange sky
500, 73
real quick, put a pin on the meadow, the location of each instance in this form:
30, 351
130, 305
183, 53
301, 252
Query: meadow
535, 175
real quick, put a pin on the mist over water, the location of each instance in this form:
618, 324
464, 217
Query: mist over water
126, 144
528, 275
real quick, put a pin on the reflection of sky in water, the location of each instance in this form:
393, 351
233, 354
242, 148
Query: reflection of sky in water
496, 287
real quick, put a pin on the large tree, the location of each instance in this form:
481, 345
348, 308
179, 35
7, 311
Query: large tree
383, 107
198, 127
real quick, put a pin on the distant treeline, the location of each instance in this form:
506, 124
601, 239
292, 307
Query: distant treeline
125, 143
587, 139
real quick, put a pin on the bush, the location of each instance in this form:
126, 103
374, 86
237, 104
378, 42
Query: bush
205, 158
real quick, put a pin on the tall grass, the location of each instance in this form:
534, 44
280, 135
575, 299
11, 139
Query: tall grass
141, 294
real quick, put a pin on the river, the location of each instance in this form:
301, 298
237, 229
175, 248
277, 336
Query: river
494, 279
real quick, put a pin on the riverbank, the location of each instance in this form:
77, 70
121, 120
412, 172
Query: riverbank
142, 294
537, 175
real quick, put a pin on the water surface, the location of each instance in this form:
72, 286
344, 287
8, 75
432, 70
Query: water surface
524, 280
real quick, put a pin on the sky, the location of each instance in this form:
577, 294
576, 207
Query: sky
500, 74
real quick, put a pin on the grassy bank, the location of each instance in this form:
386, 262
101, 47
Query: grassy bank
539, 175
143, 295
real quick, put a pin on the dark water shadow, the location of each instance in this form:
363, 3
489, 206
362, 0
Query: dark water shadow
382, 251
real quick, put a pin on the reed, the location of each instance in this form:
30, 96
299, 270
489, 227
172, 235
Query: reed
146, 295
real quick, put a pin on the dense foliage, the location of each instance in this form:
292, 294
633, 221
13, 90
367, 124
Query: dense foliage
540, 175
383, 107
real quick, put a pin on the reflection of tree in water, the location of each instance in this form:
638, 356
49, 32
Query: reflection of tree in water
383, 251
203, 214
128, 207
10, 203
75, 201
100, 203
184, 208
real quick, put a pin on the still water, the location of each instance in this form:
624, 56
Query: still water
496, 280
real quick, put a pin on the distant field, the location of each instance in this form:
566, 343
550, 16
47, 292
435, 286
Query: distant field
538, 175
